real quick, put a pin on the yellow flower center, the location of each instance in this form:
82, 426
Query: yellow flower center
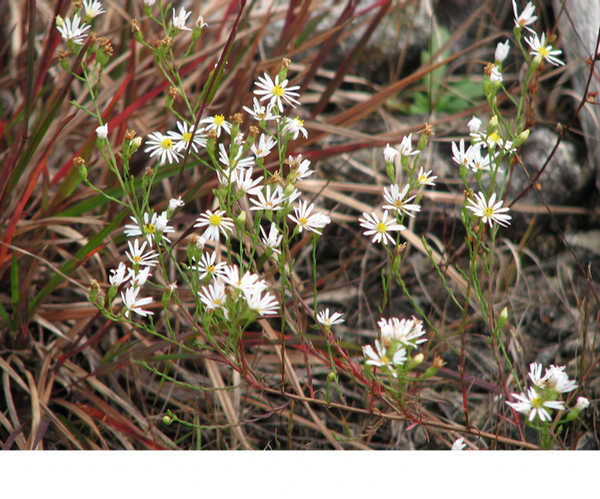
210, 269
398, 204
488, 212
299, 122
277, 91
259, 152
537, 403
494, 137
381, 228
166, 144
543, 51
136, 259
217, 302
149, 228
219, 119
303, 221
187, 137
385, 360
422, 179
215, 220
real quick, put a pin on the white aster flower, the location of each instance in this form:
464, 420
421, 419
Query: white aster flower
200, 22
268, 201
380, 357
380, 229
185, 135
139, 278
274, 239
459, 444
92, 8
234, 162
248, 283
488, 211
163, 146
213, 296
495, 75
582, 403
295, 127
134, 304
276, 92
179, 20
247, 185
406, 147
119, 275
175, 203
215, 222
474, 124
208, 266
405, 331
526, 18
425, 178
265, 305
389, 153
260, 112
540, 49
535, 374
307, 221
217, 123
324, 318
149, 229
397, 201
265, 144
71, 30
532, 404
459, 155
558, 380
502, 50
479, 162
299, 168
137, 257
102, 131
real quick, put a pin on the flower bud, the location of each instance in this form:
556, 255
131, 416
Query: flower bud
102, 131
492, 125
59, 22
502, 50
474, 124
167, 420
522, 137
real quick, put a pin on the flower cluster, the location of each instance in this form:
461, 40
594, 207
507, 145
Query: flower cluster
542, 397
398, 339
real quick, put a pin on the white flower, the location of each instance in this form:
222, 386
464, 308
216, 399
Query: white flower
294, 128
235, 162
526, 17
134, 304
459, 444
540, 49
200, 22
380, 356
185, 135
179, 21
213, 296
265, 144
139, 279
299, 168
291, 197
379, 229
478, 161
102, 131
582, 403
406, 147
137, 257
162, 145
92, 8
215, 222
495, 75
119, 275
558, 380
260, 112
239, 139
71, 30
405, 331
425, 178
274, 239
396, 200
535, 374
268, 201
247, 185
323, 318
248, 283
488, 211
209, 267
149, 228
474, 124
175, 203
307, 221
389, 153
266, 305
276, 92
217, 123
459, 155
533, 405
502, 50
